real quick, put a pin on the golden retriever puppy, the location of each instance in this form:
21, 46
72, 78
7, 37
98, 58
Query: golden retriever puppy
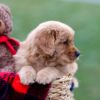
46, 53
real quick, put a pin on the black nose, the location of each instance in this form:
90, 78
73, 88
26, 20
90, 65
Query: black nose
77, 53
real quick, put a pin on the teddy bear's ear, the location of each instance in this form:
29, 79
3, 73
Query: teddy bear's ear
2, 27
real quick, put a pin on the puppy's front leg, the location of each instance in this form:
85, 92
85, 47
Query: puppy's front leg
47, 75
27, 75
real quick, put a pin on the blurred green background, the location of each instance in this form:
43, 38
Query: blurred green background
83, 17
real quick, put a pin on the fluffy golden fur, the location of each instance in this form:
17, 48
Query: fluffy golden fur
47, 53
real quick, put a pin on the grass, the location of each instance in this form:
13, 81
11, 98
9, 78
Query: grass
84, 18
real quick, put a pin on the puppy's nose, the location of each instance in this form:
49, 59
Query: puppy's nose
77, 53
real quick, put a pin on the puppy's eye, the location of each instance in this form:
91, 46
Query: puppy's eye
66, 42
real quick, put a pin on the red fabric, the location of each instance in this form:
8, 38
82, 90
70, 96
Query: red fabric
12, 89
7, 41
18, 87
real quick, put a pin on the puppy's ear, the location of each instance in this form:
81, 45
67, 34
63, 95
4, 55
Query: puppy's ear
46, 42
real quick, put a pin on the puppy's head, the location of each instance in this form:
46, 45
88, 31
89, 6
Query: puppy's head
54, 39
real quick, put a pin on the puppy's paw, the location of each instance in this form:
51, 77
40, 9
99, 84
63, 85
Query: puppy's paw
27, 76
43, 78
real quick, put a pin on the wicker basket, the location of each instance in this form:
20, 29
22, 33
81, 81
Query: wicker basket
60, 89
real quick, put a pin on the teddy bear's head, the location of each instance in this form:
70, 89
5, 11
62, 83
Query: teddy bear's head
5, 20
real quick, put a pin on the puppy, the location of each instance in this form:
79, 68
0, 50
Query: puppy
46, 53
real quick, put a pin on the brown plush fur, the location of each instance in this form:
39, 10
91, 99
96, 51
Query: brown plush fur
46, 53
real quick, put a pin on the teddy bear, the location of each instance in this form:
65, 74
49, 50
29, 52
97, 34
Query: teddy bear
8, 45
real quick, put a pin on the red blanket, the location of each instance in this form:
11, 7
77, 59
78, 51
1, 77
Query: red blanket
12, 89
